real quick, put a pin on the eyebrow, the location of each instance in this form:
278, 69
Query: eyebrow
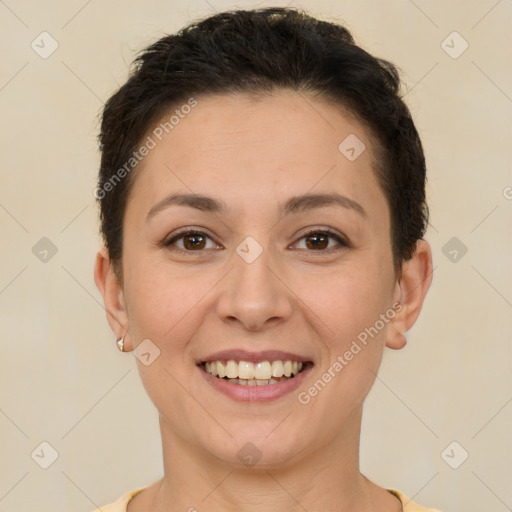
296, 204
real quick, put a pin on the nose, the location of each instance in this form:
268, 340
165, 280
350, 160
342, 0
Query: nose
254, 295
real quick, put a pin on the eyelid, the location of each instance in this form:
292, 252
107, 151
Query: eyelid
169, 241
341, 239
323, 229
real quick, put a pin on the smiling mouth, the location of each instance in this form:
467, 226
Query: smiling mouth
246, 373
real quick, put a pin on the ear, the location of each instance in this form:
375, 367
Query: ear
410, 291
113, 297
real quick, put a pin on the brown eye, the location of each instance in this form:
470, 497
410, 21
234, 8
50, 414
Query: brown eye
192, 241
319, 240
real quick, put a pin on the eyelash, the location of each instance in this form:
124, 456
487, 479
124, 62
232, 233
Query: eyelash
332, 234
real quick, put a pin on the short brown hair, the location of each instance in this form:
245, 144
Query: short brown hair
257, 51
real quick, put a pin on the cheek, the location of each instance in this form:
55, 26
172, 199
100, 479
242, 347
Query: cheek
165, 307
350, 303
352, 309
349, 300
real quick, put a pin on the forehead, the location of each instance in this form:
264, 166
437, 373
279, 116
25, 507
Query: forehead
268, 147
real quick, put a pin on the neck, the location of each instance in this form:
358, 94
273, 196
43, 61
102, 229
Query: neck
326, 478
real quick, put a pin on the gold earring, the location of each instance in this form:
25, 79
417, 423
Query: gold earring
120, 344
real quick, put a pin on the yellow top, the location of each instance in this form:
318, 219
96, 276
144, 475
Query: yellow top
121, 504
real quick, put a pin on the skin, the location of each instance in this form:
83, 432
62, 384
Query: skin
254, 154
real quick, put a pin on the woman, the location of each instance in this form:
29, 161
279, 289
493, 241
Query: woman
262, 196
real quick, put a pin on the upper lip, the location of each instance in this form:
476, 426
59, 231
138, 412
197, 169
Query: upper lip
253, 357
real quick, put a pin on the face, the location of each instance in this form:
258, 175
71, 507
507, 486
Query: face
289, 259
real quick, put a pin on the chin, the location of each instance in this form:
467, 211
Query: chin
256, 449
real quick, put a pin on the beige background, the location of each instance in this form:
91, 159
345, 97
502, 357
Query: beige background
62, 379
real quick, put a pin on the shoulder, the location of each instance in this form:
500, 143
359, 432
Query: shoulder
120, 504
409, 505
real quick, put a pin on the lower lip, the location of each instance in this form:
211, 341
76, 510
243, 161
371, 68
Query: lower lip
265, 393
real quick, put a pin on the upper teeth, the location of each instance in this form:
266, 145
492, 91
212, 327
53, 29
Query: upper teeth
247, 370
